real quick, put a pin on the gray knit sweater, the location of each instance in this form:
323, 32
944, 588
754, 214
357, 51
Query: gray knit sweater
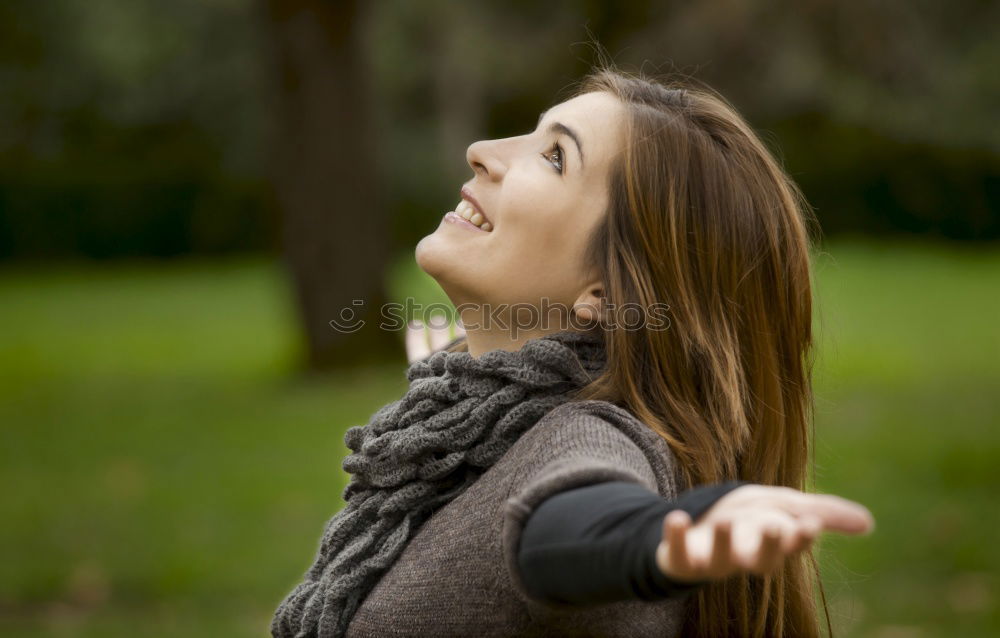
458, 575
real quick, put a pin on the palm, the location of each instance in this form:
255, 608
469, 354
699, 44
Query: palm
753, 528
422, 340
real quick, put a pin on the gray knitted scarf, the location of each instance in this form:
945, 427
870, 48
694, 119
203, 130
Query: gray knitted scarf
458, 417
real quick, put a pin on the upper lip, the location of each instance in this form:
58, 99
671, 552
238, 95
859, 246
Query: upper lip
469, 197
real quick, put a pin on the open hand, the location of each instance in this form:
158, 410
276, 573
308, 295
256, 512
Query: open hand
422, 340
753, 528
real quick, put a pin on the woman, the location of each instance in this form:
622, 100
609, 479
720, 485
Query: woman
617, 443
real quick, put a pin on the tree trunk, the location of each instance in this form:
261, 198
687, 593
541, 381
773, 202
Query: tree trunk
334, 230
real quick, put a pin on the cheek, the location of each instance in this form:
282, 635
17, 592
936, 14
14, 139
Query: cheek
538, 253
533, 222
535, 208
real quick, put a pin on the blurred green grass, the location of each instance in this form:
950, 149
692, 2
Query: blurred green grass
168, 474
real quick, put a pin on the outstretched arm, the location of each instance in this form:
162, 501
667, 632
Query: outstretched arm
608, 541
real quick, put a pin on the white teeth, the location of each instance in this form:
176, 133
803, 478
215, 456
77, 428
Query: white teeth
466, 211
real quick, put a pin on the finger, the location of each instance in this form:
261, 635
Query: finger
769, 554
808, 529
676, 524
416, 341
836, 513
751, 524
790, 530
721, 562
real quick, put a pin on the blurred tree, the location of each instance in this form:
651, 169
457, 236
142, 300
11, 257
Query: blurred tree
334, 229
130, 128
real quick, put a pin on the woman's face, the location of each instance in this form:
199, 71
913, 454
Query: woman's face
542, 194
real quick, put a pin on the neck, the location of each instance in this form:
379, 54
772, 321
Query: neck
502, 326
481, 341
485, 333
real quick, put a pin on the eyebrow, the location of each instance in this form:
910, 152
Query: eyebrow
559, 127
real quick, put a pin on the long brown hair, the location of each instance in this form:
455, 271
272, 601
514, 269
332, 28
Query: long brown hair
703, 218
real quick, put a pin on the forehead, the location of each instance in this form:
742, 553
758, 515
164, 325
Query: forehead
597, 118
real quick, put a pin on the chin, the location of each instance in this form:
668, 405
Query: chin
432, 256
439, 259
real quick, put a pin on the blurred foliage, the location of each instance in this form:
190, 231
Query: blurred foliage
164, 488
861, 180
136, 127
130, 128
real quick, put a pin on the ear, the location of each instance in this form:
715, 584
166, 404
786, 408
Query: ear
589, 305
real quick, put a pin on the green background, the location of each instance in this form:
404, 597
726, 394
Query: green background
155, 486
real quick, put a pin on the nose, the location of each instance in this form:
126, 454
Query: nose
484, 158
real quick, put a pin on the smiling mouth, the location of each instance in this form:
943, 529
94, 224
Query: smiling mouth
452, 217
466, 211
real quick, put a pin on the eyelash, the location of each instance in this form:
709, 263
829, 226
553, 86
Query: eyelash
562, 157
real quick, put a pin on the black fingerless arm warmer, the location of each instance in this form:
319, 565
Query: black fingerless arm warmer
597, 543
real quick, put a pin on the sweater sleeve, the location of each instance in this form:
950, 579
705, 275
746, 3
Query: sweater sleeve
574, 447
598, 543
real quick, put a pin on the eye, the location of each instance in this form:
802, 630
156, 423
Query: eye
555, 150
